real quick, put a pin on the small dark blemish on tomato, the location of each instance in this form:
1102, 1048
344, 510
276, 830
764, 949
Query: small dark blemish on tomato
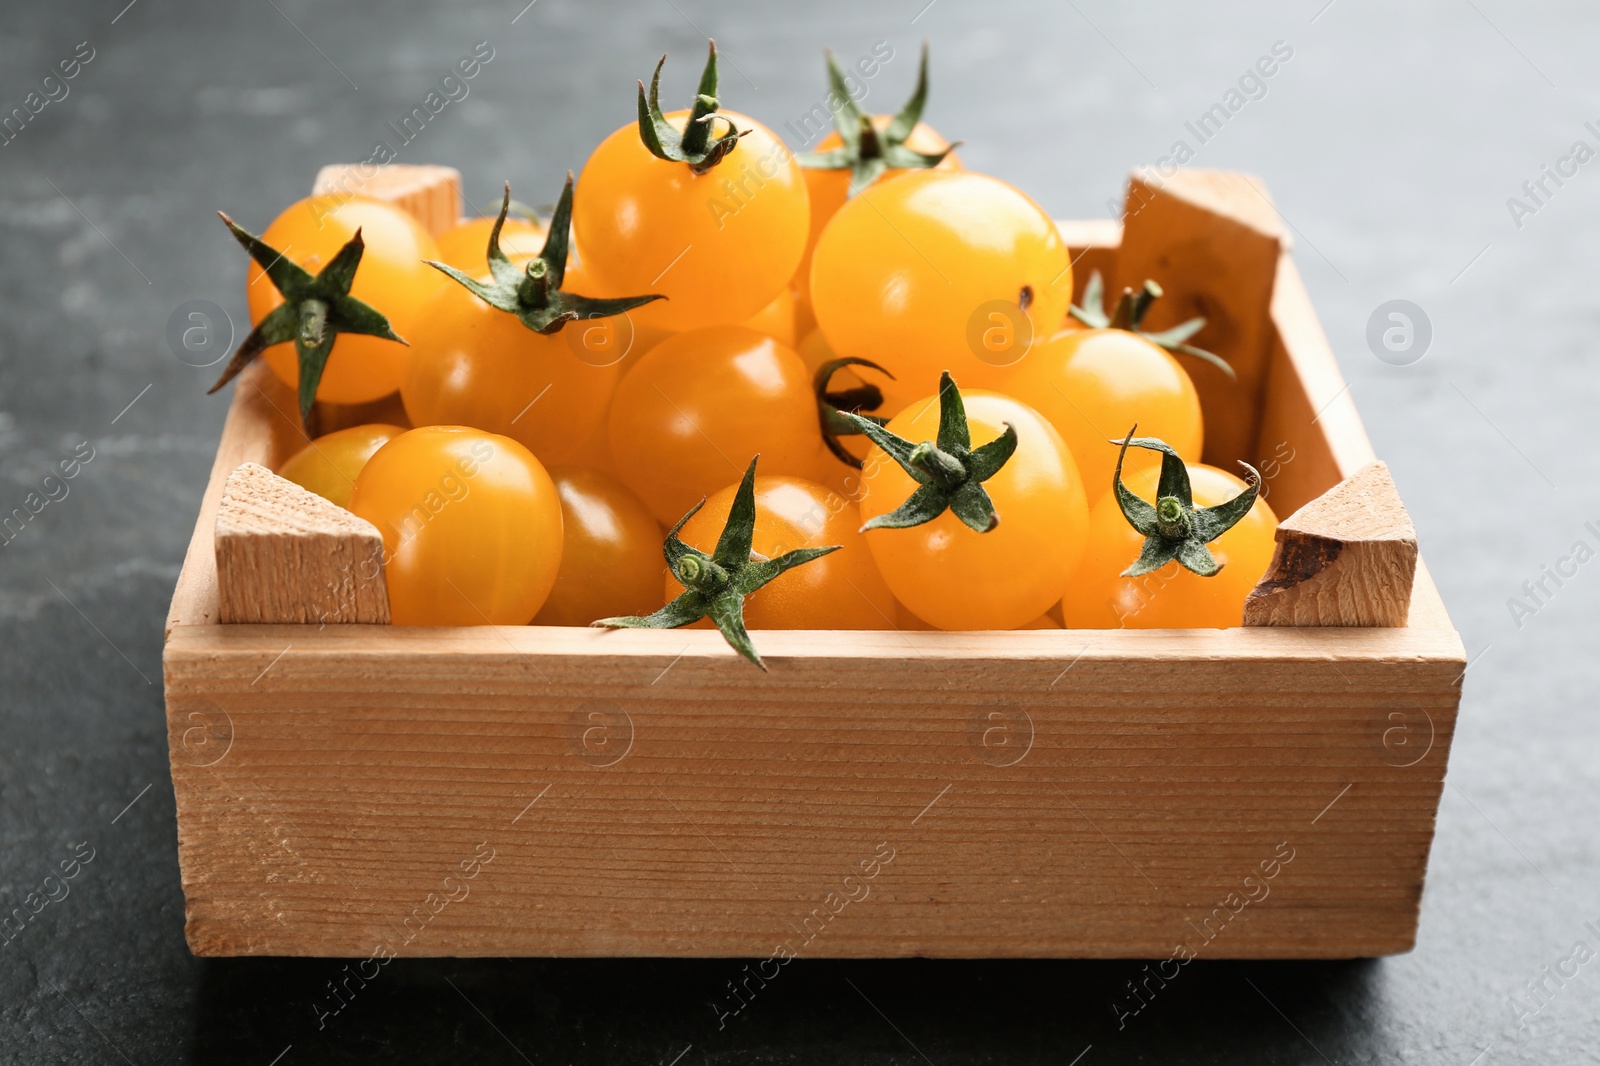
1025, 297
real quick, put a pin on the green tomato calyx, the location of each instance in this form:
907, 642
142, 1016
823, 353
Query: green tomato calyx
533, 293
866, 152
949, 472
1174, 528
1128, 316
832, 404
695, 145
715, 585
315, 310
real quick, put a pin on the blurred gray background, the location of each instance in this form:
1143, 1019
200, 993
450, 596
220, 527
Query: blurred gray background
1392, 141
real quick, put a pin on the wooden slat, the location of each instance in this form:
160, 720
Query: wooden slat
432, 194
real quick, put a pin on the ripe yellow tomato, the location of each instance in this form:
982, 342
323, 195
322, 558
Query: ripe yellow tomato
954, 577
719, 245
688, 417
473, 365
611, 561
841, 590
829, 189
1097, 597
777, 319
329, 465
471, 527
939, 270
392, 278
1092, 384
466, 246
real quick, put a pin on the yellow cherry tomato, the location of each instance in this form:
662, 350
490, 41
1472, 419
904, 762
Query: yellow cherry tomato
939, 270
829, 189
392, 278
841, 590
954, 577
329, 465
611, 561
776, 319
1093, 384
474, 365
688, 417
719, 245
471, 527
1097, 597
466, 245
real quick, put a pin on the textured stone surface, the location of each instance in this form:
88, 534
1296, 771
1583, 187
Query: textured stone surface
1390, 140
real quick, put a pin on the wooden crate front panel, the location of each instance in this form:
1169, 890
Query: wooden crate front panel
1041, 793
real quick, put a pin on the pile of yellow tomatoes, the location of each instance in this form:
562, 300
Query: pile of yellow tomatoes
704, 296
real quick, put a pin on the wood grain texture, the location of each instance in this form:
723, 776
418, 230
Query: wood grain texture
1347, 558
1044, 793
1047, 793
432, 194
286, 555
1212, 240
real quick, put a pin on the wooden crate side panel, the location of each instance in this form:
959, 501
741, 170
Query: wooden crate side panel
668, 802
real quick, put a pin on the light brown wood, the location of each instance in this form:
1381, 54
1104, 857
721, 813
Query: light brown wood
1043, 792
1094, 244
430, 193
1212, 240
1347, 558
286, 555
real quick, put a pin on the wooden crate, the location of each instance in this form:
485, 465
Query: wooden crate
1260, 792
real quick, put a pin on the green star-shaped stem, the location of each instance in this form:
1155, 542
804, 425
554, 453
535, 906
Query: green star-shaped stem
1174, 528
1129, 313
832, 405
533, 293
695, 145
866, 153
949, 472
315, 310
715, 585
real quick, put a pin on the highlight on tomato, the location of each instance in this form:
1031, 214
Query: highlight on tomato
1091, 382
922, 272
329, 465
462, 245
840, 591
863, 149
701, 402
517, 351
335, 285
471, 527
975, 511
716, 583
1187, 560
610, 551
705, 206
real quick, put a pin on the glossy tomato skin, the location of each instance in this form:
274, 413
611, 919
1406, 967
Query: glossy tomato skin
777, 319
611, 562
955, 578
471, 527
928, 271
392, 278
687, 418
329, 465
466, 245
474, 365
841, 590
829, 189
718, 245
1094, 384
1097, 597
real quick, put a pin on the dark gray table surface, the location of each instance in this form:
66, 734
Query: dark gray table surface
1392, 140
